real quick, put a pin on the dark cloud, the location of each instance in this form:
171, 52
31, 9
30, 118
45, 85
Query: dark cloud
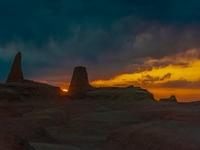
106, 36
182, 83
165, 63
148, 79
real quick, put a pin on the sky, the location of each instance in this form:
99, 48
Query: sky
152, 44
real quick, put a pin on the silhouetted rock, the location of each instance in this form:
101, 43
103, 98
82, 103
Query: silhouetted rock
16, 74
129, 93
79, 84
171, 99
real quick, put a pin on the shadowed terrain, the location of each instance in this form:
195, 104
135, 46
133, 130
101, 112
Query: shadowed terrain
103, 124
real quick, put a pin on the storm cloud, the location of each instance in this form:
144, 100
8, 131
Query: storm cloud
148, 79
106, 36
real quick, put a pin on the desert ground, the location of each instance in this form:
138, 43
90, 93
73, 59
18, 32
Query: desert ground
98, 121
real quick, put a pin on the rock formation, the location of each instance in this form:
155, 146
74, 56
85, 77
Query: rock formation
33, 91
79, 84
16, 74
171, 99
122, 94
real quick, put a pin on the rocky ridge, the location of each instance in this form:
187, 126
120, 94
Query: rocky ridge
28, 91
170, 99
126, 94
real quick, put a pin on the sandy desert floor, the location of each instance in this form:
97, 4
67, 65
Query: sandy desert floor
99, 124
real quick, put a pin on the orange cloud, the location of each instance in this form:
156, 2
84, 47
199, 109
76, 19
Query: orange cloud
146, 79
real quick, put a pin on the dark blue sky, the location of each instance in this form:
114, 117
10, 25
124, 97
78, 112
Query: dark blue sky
105, 36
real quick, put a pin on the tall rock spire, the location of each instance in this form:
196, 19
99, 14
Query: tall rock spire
79, 84
16, 74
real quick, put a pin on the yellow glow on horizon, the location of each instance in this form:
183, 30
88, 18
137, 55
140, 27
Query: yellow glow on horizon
182, 95
190, 73
183, 67
154, 79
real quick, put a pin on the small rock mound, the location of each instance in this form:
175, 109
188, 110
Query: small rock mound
16, 74
171, 99
12, 142
25, 129
79, 84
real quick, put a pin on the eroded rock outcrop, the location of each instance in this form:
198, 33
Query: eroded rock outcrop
18, 89
125, 94
16, 74
79, 84
33, 91
170, 99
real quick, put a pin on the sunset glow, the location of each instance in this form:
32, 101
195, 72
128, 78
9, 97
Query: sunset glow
177, 75
64, 90
180, 78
